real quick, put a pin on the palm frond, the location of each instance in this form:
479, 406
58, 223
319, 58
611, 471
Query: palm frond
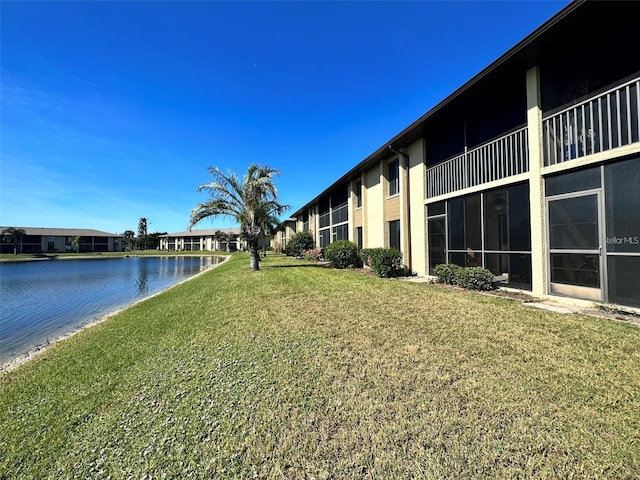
251, 200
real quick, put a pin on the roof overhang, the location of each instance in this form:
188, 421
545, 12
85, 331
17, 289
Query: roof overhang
521, 57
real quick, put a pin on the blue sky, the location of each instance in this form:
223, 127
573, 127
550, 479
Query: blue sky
112, 111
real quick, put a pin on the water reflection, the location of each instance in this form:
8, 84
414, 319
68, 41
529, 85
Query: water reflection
45, 299
143, 279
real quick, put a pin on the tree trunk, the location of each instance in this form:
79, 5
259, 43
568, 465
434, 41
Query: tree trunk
255, 256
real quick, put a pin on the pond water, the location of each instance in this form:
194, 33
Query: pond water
43, 300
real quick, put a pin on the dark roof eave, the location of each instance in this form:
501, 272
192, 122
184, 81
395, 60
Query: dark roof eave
397, 141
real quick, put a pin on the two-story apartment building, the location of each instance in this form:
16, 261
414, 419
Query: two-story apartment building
530, 169
226, 239
61, 240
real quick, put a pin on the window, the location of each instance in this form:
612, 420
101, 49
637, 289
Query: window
465, 225
394, 234
359, 237
437, 231
341, 232
624, 283
434, 209
394, 177
573, 182
573, 223
358, 194
506, 219
340, 206
324, 213
437, 241
622, 203
512, 268
325, 237
623, 207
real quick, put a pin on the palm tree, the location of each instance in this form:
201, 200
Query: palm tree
75, 243
129, 237
252, 201
219, 237
14, 235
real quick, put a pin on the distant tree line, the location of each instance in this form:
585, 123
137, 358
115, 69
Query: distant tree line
144, 240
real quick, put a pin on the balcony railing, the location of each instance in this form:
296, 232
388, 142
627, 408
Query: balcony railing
601, 123
495, 160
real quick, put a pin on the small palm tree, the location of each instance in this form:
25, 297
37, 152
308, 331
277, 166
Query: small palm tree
252, 201
220, 238
75, 243
129, 237
14, 235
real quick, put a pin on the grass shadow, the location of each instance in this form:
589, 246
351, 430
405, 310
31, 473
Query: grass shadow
269, 267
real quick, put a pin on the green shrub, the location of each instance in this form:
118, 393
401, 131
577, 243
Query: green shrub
300, 242
447, 273
288, 250
342, 254
385, 262
472, 278
365, 256
476, 278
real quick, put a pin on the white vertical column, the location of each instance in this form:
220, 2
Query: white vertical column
405, 192
539, 251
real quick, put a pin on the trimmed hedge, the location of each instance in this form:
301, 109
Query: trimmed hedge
472, 278
447, 273
385, 262
342, 254
298, 243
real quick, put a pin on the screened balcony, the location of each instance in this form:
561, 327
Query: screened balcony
500, 158
602, 122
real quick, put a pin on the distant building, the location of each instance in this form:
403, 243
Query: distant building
60, 240
221, 240
531, 169
286, 232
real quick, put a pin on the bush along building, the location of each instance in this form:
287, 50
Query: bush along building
531, 169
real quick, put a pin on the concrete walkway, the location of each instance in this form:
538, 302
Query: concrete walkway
552, 307
548, 305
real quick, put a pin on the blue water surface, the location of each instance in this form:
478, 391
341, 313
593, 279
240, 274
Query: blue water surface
43, 300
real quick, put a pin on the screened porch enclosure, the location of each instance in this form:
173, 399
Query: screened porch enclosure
489, 229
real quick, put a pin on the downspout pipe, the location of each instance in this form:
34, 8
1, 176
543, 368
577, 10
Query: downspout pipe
407, 201
398, 152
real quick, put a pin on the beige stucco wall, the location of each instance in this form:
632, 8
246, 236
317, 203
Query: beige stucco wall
58, 244
416, 215
392, 208
355, 213
357, 218
374, 200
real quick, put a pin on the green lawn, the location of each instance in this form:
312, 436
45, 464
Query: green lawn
299, 371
